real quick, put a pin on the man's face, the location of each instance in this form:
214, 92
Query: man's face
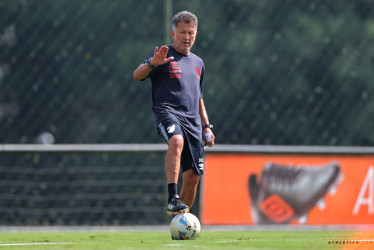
184, 37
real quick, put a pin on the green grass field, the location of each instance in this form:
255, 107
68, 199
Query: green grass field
251, 239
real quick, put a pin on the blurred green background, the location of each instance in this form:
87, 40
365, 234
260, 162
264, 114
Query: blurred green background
292, 72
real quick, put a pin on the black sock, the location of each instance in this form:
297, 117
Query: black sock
172, 190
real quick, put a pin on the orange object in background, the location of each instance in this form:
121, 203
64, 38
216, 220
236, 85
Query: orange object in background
226, 199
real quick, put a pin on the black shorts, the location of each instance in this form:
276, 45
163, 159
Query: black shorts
192, 153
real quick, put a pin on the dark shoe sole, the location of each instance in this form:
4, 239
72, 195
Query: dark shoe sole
186, 210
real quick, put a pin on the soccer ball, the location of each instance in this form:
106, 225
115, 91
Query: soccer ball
185, 227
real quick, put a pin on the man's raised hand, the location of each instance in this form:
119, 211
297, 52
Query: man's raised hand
159, 56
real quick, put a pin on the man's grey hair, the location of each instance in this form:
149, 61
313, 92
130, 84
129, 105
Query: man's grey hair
183, 16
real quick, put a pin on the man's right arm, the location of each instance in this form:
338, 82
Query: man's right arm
141, 72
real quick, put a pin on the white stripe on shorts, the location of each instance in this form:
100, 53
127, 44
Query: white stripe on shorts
163, 132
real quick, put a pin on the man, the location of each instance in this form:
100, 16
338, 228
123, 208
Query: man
180, 115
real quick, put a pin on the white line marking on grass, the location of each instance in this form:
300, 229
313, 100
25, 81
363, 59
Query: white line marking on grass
225, 241
184, 245
174, 245
36, 243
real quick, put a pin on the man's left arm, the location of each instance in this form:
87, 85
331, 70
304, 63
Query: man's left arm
207, 128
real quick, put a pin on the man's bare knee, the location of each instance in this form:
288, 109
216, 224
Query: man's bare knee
176, 143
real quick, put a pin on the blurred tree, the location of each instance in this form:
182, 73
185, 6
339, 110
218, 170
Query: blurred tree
289, 72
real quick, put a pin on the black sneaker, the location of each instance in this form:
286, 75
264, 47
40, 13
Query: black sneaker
177, 206
283, 193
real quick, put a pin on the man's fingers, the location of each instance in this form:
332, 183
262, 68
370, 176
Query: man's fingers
162, 52
169, 59
211, 143
159, 56
164, 49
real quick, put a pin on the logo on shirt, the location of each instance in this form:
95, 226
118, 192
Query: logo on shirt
198, 71
174, 70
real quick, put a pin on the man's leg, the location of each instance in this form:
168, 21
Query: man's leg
189, 187
173, 158
172, 168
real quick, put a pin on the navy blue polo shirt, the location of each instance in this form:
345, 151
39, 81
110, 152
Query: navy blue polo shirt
177, 89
